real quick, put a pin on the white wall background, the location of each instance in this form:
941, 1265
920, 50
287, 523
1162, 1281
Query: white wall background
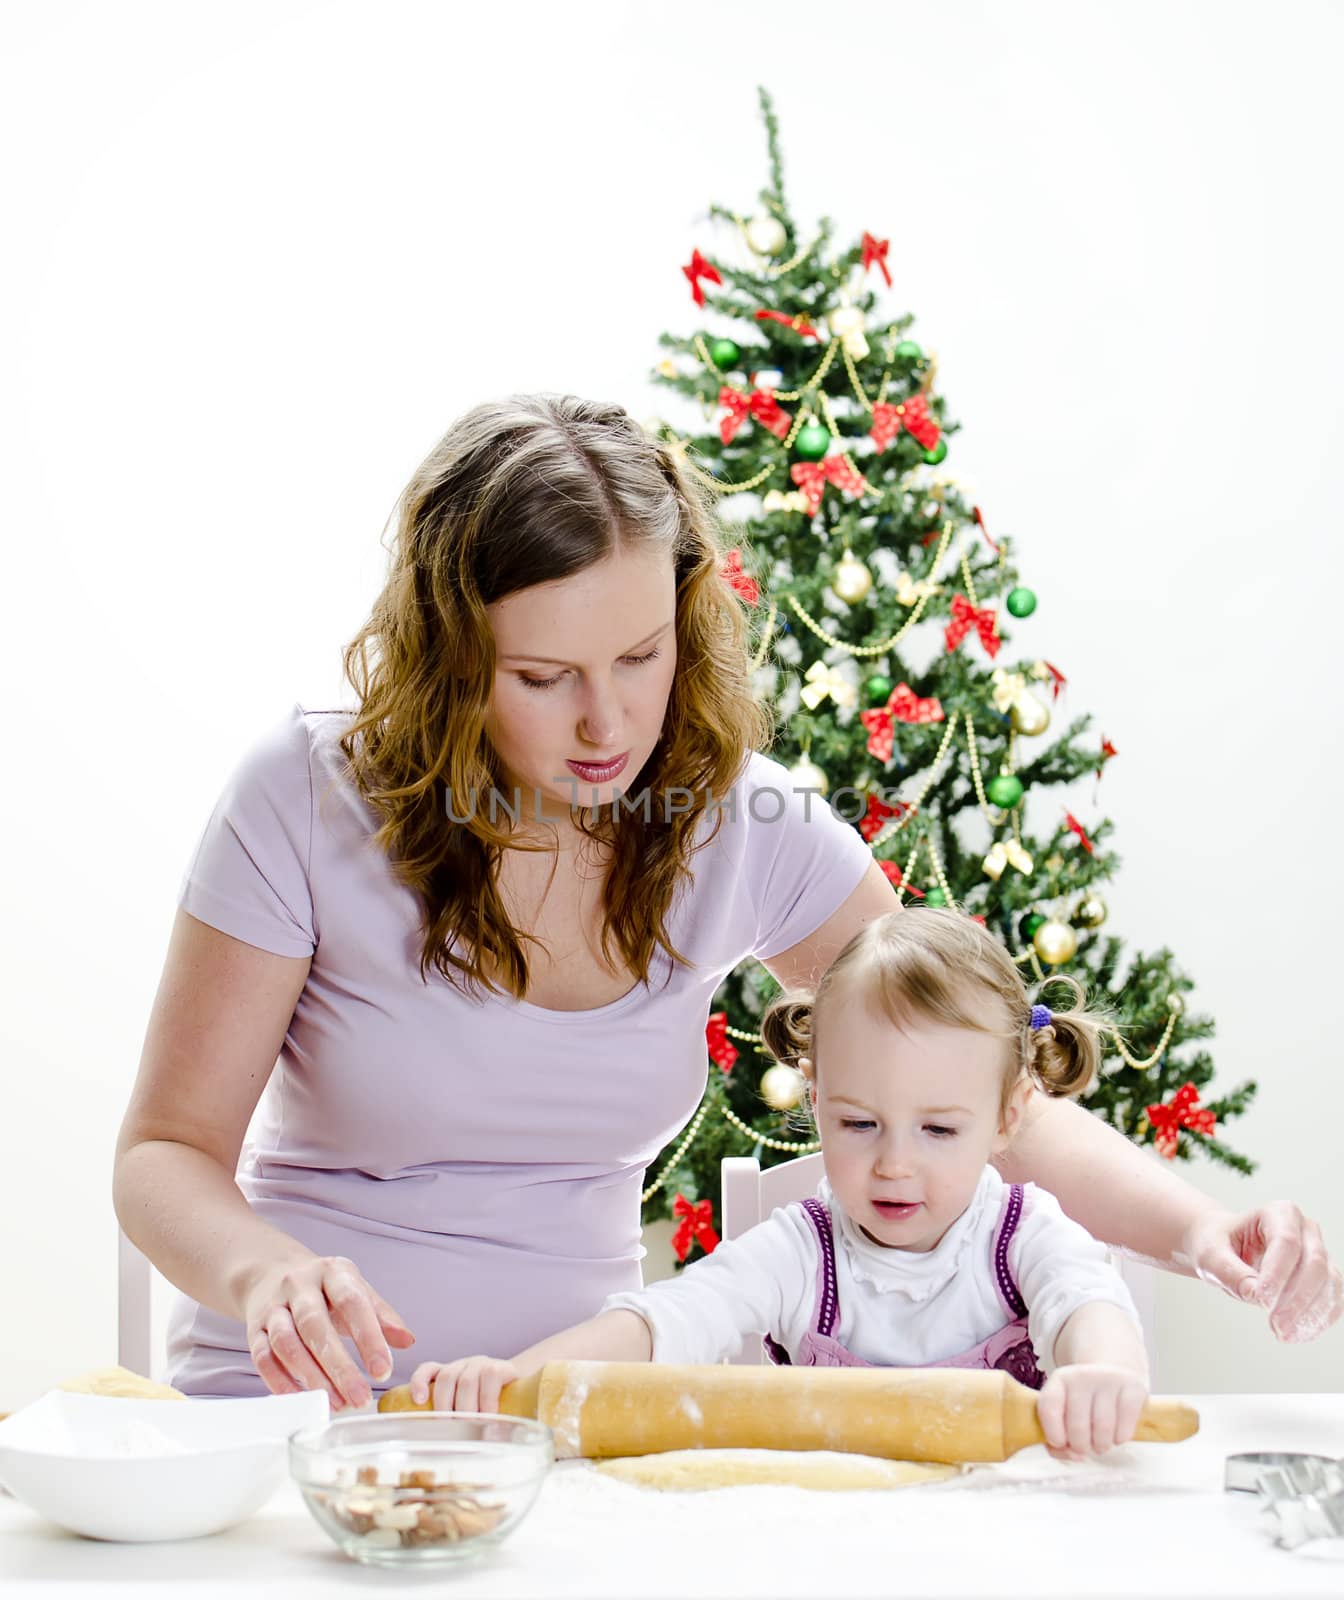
262, 254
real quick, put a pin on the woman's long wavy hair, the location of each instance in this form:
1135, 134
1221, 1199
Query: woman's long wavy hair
520, 491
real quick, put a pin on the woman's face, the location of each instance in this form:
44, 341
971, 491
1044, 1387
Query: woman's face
583, 670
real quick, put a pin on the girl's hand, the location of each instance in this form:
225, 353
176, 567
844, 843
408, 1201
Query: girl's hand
1086, 1408
296, 1315
471, 1384
1273, 1257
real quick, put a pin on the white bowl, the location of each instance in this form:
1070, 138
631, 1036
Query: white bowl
76, 1459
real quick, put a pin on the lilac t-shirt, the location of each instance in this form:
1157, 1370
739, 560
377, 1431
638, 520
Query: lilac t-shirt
480, 1160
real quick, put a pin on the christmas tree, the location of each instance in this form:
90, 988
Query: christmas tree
877, 598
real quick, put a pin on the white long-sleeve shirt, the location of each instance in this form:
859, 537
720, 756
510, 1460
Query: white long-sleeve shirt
898, 1308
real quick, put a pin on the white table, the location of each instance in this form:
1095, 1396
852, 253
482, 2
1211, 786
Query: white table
1146, 1520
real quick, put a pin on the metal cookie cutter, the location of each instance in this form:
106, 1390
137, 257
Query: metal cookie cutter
1302, 1496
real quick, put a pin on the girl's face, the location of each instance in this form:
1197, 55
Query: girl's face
583, 670
907, 1120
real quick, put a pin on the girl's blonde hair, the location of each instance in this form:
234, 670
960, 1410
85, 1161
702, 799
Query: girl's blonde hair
521, 491
933, 964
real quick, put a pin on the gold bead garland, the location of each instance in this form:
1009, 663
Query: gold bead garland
898, 824
680, 1151
746, 1038
760, 1138
767, 638
978, 777
1152, 1060
743, 1127
883, 645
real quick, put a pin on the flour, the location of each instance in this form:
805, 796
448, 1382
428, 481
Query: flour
564, 1420
691, 1406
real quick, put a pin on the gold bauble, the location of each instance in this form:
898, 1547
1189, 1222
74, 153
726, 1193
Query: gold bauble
766, 235
806, 774
1055, 942
1091, 911
851, 580
782, 1087
1028, 715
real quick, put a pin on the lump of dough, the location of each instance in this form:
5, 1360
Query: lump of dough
804, 1469
120, 1381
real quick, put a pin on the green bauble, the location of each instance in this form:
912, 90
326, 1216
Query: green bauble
1028, 926
1021, 602
1005, 790
937, 454
908, 350
877, 689
813, 441
724, 354
935, 897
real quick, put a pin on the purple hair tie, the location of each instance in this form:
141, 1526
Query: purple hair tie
1041, 1017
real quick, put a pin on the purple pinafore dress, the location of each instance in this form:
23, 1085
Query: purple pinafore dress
1009, 1350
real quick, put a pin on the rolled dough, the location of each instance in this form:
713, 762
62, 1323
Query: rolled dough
804, 1469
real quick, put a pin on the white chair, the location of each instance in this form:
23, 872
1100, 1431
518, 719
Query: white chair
135, 1276
749, 1195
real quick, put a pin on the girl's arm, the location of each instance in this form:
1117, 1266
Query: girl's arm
618, 1335
1099, 1332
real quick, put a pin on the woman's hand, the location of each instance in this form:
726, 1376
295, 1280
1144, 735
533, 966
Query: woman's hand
1274, 1257
1089, 1407
471, 1384
296, 1314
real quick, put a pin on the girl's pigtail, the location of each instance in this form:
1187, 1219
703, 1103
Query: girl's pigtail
1065, 1055
786, 1028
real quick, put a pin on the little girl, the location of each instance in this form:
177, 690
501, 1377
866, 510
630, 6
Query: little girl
920, 1051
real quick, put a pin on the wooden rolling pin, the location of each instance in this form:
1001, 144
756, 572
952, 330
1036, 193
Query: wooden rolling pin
620, 1408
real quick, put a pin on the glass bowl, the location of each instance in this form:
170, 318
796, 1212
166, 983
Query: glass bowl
420, 1487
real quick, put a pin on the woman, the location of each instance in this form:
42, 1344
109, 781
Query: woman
485, 963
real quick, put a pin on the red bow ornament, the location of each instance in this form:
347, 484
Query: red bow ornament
906, 706
721, 1049
964, 618
876, 250
877, 817
700, 268
813, 476
913, 415
1182, 1111
742, 581
903, 705
696, 1223
761, 404
1074, 826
